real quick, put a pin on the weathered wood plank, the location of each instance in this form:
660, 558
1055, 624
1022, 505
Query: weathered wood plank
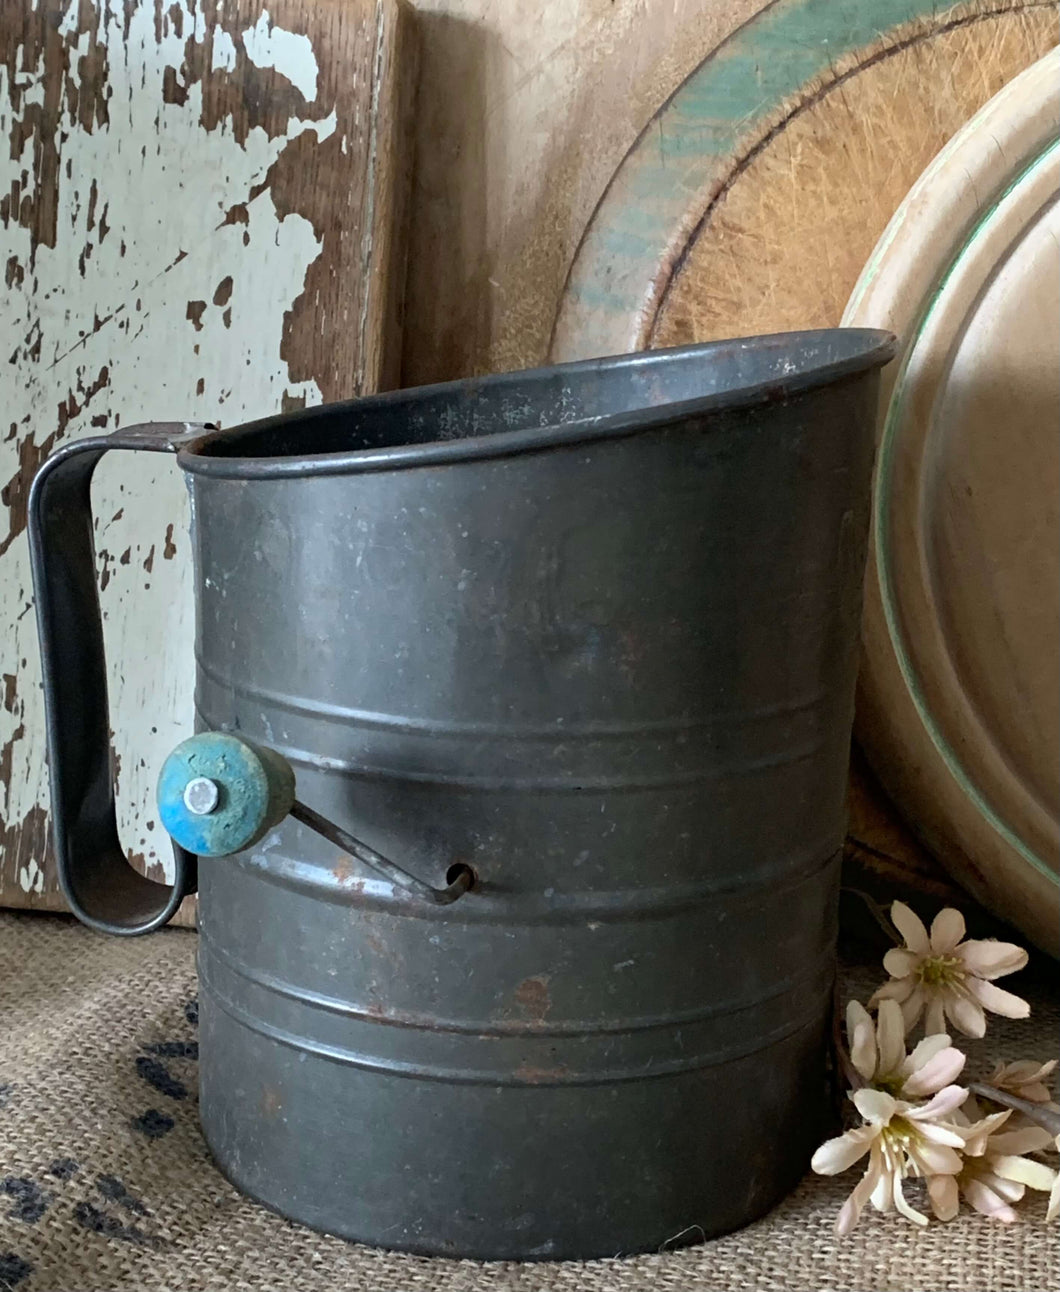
203, 211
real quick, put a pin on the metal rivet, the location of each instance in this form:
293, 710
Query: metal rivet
201, 795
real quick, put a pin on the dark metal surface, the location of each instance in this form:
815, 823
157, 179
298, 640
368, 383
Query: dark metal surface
604, 657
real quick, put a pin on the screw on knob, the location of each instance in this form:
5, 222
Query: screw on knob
219, 794
201, 795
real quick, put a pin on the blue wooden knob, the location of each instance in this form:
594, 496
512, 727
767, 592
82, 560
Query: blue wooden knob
218, 793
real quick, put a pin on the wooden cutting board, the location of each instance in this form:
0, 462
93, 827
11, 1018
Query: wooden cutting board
203, 213
754, 198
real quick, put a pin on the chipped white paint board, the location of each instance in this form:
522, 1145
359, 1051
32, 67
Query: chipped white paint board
201, 211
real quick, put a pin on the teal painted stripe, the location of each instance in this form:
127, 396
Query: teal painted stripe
726, 99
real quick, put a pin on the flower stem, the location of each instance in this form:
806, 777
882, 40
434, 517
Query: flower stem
878, 914
1037, 1113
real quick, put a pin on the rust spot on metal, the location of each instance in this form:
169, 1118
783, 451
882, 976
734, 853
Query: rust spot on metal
291, 403
532, 998
200, 385
14, 274
343, 869
377, 945
170, 548
194, 313
534, 1076
125, 557
10, 692
223, 294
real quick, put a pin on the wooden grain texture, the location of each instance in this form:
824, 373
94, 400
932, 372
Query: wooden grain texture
783, 242
203, 211
524, 112
868, 91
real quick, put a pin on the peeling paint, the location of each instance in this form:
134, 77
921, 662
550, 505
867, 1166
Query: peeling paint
110, 238
31, 877
270, 46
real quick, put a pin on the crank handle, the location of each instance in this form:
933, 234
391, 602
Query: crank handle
219, 794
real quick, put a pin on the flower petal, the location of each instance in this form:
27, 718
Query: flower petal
935, 1015
876, 1106
1053, 1209
942, 1070
890, 1037
913, 1007
836, 1155
1008, 1190
856, 1013
947, 929
938, 1133
852, 1208
945, 1101
1022, 1072
989, 958
882, 1196
966, 1013
1024, 1139
998, 1001
863, 1048
900, 963
911, 927
898, 989
904, 1208
987, 1202
924, 1051
942, 1190
934, 1159
977, 1134
1035, 1175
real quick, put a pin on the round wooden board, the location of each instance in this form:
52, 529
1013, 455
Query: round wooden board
755, 196
959, 697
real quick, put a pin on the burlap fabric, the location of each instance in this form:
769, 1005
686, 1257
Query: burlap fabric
105, 1181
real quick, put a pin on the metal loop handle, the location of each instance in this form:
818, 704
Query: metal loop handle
102, 888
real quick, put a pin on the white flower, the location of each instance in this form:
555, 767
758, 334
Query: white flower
995, 1174
1054, 1193
943, 977
877, 1051
1025, 1078
901, 1139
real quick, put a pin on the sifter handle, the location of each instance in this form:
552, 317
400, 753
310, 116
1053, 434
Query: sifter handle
102, 888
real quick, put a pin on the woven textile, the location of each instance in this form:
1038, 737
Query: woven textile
105, 1181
